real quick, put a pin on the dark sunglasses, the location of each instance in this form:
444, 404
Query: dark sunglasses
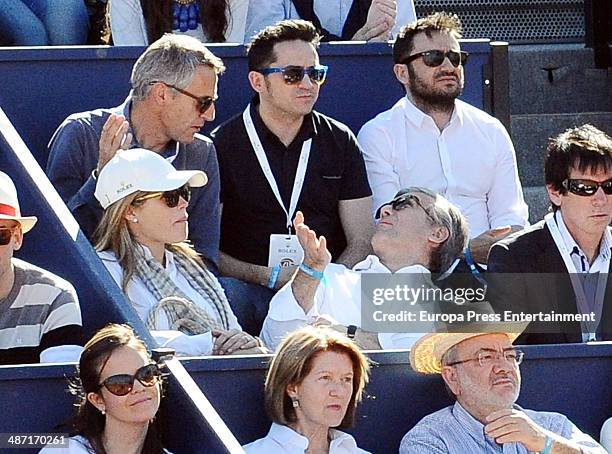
403, 201
121, 385
6, 233
171, 198
587, 188
295, 74
435, 58
204, 102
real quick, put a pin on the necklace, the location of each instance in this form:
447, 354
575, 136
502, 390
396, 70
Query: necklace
185, 15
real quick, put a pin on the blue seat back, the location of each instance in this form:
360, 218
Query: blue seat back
41, 87
570, 379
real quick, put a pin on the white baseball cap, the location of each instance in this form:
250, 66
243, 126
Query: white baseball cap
9, 205
138, 169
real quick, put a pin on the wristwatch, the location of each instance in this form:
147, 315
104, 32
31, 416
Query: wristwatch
350, 331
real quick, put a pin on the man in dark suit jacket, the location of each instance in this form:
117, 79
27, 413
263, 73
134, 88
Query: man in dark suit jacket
562, 262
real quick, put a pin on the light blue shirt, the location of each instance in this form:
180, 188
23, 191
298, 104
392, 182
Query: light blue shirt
453, 430
331, 13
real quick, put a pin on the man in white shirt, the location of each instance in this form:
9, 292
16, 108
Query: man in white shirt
431, 139
418, 232
562, 263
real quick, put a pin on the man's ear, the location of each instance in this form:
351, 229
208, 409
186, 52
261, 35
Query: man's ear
18, 239
257, 81
554, 195
439, 234
401, 73
449, 375
159, 93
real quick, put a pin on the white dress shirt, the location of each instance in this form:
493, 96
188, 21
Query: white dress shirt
339, 299
128, 26
471, 162
600, 264
331, 13
284, 440
143, 300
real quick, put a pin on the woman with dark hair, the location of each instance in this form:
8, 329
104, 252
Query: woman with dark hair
140, 22
119, 390
314, 384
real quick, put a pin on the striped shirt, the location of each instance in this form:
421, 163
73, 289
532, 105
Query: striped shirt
40, 311
453, 430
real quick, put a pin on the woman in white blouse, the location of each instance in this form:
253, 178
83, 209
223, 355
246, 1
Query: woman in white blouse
141, 241
313, 386
119, 391
140, 22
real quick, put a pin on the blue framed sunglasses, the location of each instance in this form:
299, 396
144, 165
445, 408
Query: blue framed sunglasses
295, 74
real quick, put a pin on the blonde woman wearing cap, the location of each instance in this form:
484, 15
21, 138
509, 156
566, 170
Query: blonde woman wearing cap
141, 241
481, 370
314, 384
48, 331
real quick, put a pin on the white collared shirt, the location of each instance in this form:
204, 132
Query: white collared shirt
143, 300
339, 300
471, 162
580, 259
284, 440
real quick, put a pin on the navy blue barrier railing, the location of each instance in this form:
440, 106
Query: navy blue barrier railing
572, 379
42, 86
33, 398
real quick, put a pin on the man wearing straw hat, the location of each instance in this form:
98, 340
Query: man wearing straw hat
481, 370
40, 316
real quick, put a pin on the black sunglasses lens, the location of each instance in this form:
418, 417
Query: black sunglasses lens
293, 75
172, 197
147, 375
454, 58
205, 104
433, 58
317, 74
607, 187
119, 385
5, 236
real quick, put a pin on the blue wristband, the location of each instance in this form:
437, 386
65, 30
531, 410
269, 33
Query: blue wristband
274, 276
547, 446
318, 275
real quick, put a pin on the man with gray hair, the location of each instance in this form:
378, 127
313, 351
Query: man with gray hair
174, 89
419, 232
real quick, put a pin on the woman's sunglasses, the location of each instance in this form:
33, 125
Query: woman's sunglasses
587, 188
171, 198
295, 74
434, 58
121, 385
6, 233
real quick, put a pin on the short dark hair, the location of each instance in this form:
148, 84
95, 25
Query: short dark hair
436, 22
584, 148
260, 50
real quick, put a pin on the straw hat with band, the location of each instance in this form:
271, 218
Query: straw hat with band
9, 205
427, 352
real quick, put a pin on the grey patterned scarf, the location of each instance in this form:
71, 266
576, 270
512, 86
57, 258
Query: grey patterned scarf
182, 314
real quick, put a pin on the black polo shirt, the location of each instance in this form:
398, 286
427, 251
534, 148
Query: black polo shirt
251, 213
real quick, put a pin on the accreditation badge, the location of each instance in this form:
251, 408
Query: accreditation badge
285, 250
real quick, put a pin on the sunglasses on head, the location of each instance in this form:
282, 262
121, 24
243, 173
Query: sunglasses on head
171, 198
6, 233
204, 102
121, 385
435, 58
403, 201
587, 188
295, 74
